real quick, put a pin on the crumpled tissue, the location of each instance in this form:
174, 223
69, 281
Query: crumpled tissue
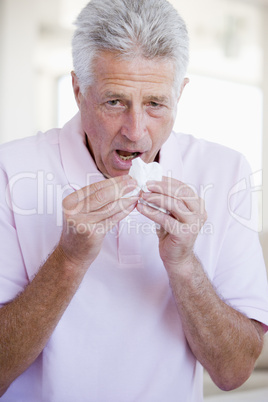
143, 172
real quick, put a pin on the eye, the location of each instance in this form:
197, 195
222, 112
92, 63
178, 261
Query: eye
154, 104
114, 102
114, 105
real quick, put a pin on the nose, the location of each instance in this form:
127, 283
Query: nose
134, 125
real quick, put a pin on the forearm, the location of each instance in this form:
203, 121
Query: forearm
27, 322
225, 342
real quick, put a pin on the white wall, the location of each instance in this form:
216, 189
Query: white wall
33, 54
17, 76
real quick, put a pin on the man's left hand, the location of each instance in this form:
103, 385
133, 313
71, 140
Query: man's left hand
179, 227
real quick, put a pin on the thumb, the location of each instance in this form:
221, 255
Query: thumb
160, 231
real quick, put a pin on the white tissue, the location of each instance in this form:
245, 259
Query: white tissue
143, 172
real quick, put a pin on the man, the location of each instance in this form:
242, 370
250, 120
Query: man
116, 300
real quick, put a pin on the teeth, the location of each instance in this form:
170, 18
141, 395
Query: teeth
132, 156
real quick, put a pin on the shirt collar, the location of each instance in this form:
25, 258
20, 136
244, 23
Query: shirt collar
78, 164
170, 158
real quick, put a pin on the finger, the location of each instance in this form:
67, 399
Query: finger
77, 196
101, 185
167, 222
176, 207
168, 184
98, 194
176, 189
109, 194
109, 210
113, 220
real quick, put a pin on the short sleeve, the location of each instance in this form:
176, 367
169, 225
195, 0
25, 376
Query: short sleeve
240, 276
13, 276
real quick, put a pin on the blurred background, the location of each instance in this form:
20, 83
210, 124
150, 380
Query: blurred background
226, 100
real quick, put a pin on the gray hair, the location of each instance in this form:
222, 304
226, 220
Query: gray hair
130, 28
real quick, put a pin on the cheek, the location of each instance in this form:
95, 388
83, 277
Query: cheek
107, 124
97, 129
109, 127
161, 128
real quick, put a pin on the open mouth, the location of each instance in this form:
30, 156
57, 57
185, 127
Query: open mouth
125, 156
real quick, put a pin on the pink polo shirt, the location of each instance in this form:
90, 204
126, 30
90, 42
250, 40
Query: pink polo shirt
121, 338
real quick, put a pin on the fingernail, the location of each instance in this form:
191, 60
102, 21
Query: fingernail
145, 194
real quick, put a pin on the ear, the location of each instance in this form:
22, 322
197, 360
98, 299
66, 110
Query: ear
184, 83
76, 89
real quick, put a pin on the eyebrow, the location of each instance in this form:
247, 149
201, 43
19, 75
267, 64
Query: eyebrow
150, 98
157, 99
111, 94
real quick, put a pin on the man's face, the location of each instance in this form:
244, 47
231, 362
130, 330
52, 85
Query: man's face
129, 111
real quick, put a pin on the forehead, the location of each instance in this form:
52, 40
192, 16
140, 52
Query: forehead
113, 73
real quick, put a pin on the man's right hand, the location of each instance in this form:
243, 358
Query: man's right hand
90, 213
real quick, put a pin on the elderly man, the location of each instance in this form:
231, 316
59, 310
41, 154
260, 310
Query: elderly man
103, 296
